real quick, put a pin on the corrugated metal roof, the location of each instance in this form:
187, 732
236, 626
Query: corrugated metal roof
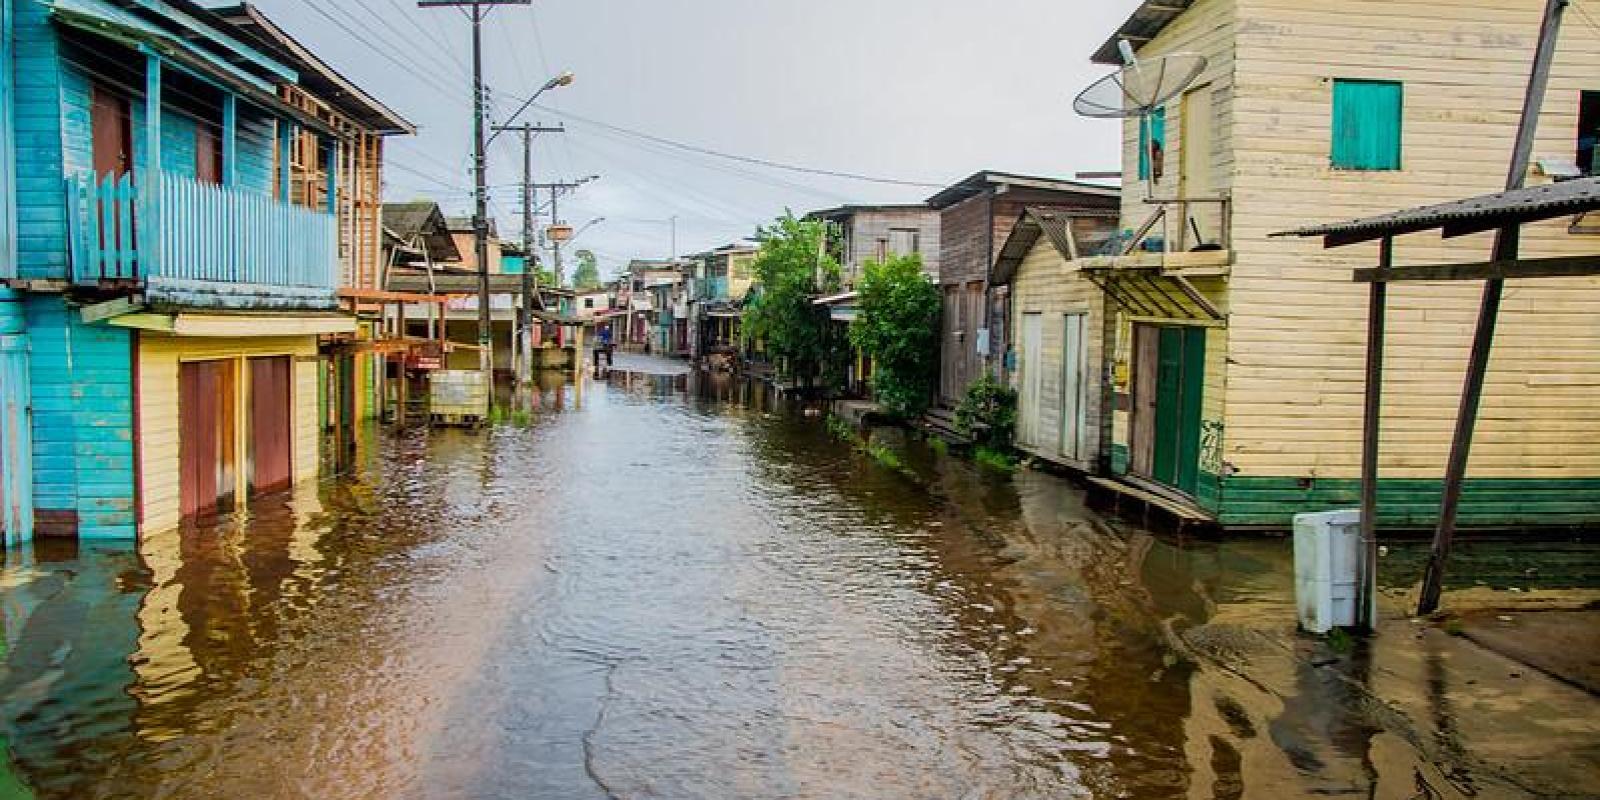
1145, 23
980, 182
1462, 217
1053, 225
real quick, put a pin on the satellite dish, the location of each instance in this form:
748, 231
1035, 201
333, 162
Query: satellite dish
1138, 89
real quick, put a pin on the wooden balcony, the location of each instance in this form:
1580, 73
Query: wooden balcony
192, 243
1188, 236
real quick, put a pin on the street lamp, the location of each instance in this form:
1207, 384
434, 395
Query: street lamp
564, 79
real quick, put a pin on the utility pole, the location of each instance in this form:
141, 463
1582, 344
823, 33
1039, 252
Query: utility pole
530, 287
555, 217
480, 217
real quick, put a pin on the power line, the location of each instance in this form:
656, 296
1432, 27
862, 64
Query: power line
430, 81
763, 162
432, 36
401, 36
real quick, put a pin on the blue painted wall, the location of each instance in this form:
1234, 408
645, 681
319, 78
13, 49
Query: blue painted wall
83, 465
8, 184
16, 437
53, 140
39, 112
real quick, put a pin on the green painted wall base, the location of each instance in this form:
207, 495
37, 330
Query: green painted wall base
1414, 503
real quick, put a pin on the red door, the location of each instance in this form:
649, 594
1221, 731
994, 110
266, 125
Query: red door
205, 437
270, 432
207, 153
111, 128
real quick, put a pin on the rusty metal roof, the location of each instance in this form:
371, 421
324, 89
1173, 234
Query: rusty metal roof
1145, 23
1462, 217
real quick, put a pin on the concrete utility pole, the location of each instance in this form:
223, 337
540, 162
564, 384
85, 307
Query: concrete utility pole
530, 286
480, 217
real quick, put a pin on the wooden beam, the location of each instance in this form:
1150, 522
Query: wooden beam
1367, 570
1500, 269
111, 308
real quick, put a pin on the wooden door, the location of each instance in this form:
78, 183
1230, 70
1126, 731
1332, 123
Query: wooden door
207, 153
270, 427
1141, 445
953, 343
111, 131
1195, 172
206, 451
1074, 388
1029, 406
1180, 380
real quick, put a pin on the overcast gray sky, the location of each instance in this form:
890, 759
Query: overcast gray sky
924, 91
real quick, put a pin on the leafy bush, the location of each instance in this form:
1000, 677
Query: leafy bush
994, 459
988, 414
898, 328
791, 268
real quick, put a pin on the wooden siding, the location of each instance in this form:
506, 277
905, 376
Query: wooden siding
964, 243
1207, 28
40, 112
159, 424
867, 227
82, 423
8, 185
1049, 284
1294, 389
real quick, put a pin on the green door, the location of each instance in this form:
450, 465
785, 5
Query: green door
1180, 377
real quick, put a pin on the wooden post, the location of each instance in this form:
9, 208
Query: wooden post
230, 138
1506, 247
150, 183
1367, 571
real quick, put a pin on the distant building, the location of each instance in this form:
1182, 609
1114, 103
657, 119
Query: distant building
976, 215
875, 232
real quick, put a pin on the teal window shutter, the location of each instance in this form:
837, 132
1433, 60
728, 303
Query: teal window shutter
1366, 124
1155, 126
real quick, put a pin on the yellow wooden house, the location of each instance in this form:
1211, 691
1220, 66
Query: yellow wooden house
1236, 358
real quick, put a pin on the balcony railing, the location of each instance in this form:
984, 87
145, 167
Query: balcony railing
203, 232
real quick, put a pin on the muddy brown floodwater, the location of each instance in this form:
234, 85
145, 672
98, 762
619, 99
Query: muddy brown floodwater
664, 586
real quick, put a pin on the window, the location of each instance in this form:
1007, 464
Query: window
1366, 124
588, 302
1588, 131
1152, 142
903, 241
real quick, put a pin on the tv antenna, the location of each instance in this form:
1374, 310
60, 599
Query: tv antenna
1137, 90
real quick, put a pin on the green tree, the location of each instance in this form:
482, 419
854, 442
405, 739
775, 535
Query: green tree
791, 269
587, 273
898, 327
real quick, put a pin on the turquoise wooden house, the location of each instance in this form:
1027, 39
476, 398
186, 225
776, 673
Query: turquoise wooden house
163, 288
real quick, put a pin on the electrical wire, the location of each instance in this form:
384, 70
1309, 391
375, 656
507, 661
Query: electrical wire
424, 78
404, 38
707, 151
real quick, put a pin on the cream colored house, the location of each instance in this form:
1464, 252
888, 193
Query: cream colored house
1236, 358
1060, 320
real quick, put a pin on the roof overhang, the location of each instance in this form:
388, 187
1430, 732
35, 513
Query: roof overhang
107, 21
1145, 23
325, 82
201, 323
1033, 224
980, 182
1463, 217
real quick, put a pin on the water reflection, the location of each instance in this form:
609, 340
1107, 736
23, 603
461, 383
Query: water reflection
662, 583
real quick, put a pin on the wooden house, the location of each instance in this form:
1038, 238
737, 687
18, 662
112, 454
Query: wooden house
164, 268
975, 216
1060, 319
863, 233
1237, 358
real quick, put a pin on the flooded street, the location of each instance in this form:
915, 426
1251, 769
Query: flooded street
663, 586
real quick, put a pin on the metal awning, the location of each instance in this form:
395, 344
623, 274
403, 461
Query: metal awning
1471, 215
